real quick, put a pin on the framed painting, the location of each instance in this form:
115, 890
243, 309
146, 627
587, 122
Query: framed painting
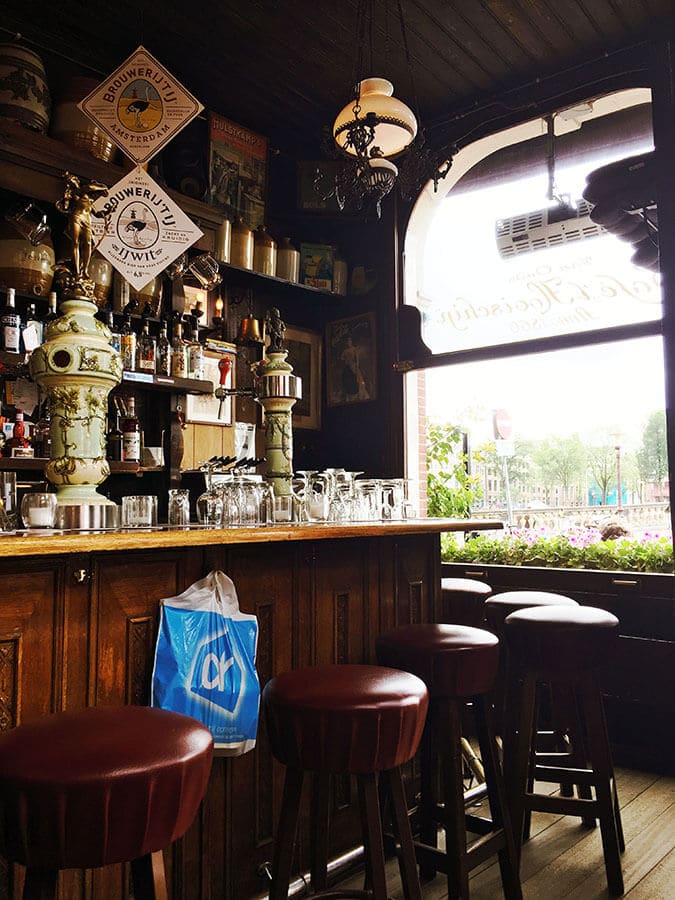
351, 361
304, 354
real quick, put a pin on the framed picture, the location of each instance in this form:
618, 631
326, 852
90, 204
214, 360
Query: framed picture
203, 408
237, 170
351, 362
304, 354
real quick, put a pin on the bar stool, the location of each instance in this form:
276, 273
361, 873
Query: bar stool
565, 645
559, 735
333, 719
458, 664
463, 601
98, 786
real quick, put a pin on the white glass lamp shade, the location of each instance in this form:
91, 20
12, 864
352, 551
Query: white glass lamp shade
391, 136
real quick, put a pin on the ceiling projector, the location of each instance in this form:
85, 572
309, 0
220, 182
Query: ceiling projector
563, 223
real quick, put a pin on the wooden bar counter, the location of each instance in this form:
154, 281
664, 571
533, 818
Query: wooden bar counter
78, 618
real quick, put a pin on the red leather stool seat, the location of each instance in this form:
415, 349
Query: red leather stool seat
463, 601
345, 718
499, 606
561, 638
97, 786
453, 660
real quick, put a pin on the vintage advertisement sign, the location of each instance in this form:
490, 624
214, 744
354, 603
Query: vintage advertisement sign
141, 106
144, 230
237, 170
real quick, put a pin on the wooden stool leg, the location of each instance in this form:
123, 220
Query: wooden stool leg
601, 763
448, 742
148, 877
372, 835
428, 779
319, 831
406, 858
285, 842
40, 884
508, 858
517, 751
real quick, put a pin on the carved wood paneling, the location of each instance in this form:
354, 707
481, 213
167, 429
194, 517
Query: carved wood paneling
9, 680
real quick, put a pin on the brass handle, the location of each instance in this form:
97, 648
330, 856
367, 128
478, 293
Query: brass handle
81, 575
476, 574
627, 582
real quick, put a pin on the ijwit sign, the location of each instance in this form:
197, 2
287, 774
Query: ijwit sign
144, 230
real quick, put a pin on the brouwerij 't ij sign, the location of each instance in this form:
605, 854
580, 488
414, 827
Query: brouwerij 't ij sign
141, 106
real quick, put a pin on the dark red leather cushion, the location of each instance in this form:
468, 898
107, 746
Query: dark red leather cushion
452, 660
345, 718
103, 785
562, 638
463, 601
499, 606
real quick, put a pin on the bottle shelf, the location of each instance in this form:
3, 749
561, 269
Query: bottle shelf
236, 274
167, 383
37, 464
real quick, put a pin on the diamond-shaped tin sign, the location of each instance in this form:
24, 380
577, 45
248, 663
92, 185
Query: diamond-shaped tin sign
144, 230
141, 106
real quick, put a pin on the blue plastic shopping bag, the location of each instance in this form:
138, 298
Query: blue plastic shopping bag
205, 662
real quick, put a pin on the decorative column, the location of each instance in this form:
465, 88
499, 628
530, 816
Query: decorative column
277, 389
76, 367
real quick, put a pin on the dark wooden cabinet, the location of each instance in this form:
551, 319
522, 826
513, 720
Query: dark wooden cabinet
80, 629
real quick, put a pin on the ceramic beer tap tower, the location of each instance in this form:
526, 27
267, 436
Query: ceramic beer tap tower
76, 368
277, 389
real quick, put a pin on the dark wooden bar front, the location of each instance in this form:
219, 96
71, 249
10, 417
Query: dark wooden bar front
78, 618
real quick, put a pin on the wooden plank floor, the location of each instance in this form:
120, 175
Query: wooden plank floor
564, 859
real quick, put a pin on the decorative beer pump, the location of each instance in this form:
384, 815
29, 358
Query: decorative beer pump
277, 389
76, 368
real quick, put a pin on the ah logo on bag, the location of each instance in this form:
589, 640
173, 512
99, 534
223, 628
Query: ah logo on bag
217, 677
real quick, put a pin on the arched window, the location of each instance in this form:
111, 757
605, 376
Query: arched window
532, 310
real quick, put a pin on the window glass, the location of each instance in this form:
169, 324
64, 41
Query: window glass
471, 296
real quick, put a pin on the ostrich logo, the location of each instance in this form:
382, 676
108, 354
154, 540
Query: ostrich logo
140, 106
137, 226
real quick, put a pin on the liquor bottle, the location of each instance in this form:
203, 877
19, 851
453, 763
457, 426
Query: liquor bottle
18, 438
163, 352
195, 354
51, 312
11, 324
42, 433
178, 352
131, 434
146, 352
115, 336
114, 439
31, 330
128, 346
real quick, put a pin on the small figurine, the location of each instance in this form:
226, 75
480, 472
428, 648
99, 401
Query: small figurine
77, 204
276, 329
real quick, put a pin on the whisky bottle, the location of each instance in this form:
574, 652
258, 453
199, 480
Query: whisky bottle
128, 346
11, 324
163, 352
115, 336
131, 434
51, 313
178, 352
114, 440
195, 355
146, 351
31, 330
18, 438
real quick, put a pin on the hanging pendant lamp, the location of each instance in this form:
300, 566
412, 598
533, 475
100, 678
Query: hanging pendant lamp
376, 120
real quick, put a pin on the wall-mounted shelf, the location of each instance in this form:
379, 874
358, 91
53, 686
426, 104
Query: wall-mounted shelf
37, 464
167, 383
247, 277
